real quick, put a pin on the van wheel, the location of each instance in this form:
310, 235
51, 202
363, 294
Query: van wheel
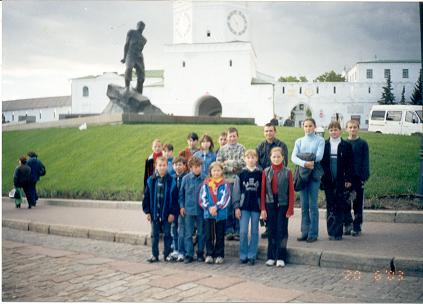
379, 132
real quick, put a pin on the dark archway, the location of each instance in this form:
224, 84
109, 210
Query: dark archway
209, 106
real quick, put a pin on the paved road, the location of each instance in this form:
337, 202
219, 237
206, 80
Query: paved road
39, 267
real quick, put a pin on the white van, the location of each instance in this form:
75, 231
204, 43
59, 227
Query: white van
396, 119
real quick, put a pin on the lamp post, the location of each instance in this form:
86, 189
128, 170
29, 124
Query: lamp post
420, 186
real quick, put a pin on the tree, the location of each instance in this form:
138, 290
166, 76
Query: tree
330, 76
416, 98
387, 95
308, 113
303, 79
402, 101
292, 79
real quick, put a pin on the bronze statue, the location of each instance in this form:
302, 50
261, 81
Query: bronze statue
133, 56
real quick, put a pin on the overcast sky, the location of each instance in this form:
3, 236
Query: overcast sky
46, 43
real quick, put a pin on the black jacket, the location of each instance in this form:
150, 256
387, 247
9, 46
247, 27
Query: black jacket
22, 176
344, 166
263, 152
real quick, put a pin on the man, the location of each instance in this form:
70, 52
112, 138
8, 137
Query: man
264, 148
37, 170
133, 56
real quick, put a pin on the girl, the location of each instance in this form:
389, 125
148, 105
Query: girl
307, 154
277, 205
214, 199
206, 153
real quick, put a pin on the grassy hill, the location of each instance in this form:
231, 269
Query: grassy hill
107, 162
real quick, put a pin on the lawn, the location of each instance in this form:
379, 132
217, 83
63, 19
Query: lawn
107, 162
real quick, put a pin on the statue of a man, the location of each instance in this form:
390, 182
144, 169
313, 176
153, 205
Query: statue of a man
133, 57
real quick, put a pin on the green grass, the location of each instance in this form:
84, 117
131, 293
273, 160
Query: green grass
107, 162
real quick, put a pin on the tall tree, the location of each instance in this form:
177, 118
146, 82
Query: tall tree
387, 95
416, 98
330, 76
402, 101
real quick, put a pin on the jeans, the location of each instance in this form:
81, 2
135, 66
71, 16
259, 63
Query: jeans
232, 223
181, 235
335, 206
215, 237
167, 238
358, 203
309, 210
190, 221
278, 231
248, 250
175, 237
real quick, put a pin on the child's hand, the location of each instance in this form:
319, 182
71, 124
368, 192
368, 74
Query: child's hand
309, 164
213, 211
288, 215
148, 217
182, 212
348, 185
238, 213
263, 215
171, 218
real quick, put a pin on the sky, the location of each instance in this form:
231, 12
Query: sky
47, 43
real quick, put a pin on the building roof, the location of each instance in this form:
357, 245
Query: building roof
389, 61
37, 103
153, 73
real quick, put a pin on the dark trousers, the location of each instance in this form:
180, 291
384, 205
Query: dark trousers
215, 238
232, 223
31, 194
335, 207
277, 225
358, 204
155, 235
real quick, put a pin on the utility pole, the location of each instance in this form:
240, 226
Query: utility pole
420, 186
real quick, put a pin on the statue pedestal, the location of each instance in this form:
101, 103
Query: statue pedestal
123, 100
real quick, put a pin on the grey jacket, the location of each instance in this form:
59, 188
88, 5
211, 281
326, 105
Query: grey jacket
303, 175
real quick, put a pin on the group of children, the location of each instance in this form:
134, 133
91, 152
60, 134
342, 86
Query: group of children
227, 193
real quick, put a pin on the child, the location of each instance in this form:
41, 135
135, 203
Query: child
248, 208
168, 154
222, 140
160, 204
361, 174
214, 199
337, 167
192, 141
178, 227
277, 206
206, 153
150, 163
191, 210
22, 181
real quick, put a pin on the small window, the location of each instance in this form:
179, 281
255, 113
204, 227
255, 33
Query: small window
230, 63
183, 63
366, 121
357, 118
301, 107
54, 114
405, 73
370, 90
411, 117
40, 114
394, 116
369, 73
387, 73
283, 89
85, 91
378, 115
334, 89
208, 33
13, 116
317, 90
301, 89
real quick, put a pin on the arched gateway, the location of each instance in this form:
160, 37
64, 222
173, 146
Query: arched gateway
208, 106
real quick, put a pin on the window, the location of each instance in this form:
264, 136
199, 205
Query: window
334, 89
394, 116
301, 89
378, 115
370, 90
208, 33
405, 73
40, 114
54, 114
387, 73
85, 91
317, 90
283, 89
183, 63
357, 118
369, 73
411, 117
230, 63
13, 116
301, 107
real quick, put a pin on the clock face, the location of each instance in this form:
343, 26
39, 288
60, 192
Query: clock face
183, 24
237, 22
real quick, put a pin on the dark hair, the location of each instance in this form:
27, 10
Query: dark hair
22, 159
310, 119
232, 130
271, 125
353, 121
168, 147
32, 154
193, 136
334, 124
179, 159
194, 161
208, 138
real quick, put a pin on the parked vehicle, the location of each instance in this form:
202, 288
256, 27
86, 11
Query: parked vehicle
396, 119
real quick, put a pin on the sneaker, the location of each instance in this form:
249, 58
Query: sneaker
168, 258
280, 263
200, 258
188, 259
209, 260
219, 260
230, 237
331, 238
264, 235
339, 238
152, 259
302, 238
174, 255
243, 261
270, 262
347, 230
180, 258
251, 261
356, 233
311, 240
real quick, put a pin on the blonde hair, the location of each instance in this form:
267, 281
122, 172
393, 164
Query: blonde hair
277, 149
156, 141
214, 164
250, 152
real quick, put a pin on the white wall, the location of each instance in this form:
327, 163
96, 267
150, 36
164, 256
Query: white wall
47, 114
358, 73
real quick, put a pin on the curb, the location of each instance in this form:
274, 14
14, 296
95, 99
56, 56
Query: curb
385, 216
304, 256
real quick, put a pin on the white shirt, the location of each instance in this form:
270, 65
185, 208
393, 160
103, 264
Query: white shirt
334, 145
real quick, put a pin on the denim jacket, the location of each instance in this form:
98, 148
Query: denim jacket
189, 194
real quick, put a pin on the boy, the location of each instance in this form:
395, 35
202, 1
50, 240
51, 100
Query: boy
160, 205
190, 209
232, 157
361, 174
192, 141
150, 163
337, 166
168, 154
222, 140
178, 227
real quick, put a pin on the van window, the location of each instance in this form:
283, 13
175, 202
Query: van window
411, 117
394, 116
378, 115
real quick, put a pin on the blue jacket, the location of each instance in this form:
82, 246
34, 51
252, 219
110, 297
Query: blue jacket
37, 169
221, 200
208, 159
170, 202
170, 169
189, 194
